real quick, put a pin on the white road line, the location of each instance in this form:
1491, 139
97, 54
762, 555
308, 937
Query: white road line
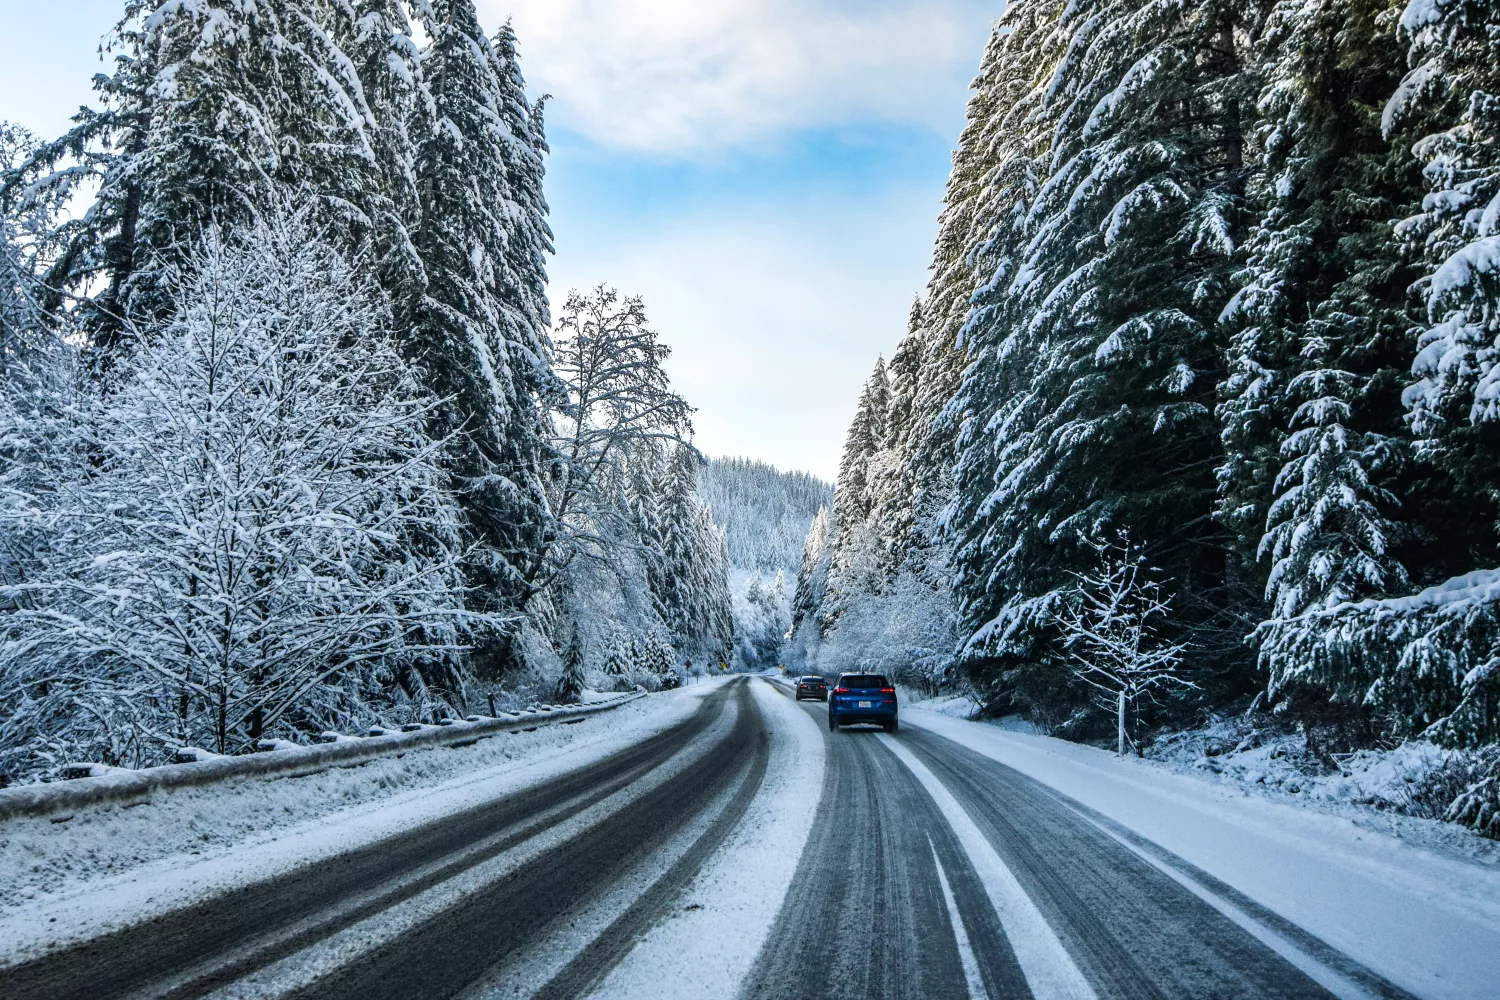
1050, 970
960, 933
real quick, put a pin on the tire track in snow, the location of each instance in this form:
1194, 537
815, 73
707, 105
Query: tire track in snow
459, 947
1050, 971
866, 917
1136, 931
708, 943
185, 953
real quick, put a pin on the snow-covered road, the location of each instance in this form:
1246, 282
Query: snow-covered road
731, 847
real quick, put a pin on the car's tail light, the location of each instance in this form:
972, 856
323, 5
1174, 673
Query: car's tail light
840, 690
887, 690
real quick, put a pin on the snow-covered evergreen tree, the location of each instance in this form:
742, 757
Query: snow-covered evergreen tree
465, 331
812, 580
396, 109
857, 564
1089, 399
26, 245
1449, 99
97, 249
618, 661
570, 685
1311, 421
691, 574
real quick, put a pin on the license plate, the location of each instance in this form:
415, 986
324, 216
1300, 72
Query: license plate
867, 704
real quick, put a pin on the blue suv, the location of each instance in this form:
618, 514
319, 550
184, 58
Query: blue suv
863, 698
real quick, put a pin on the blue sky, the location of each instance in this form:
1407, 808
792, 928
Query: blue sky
767, 173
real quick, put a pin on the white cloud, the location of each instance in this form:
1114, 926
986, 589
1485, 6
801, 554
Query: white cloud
687, 76
775, 319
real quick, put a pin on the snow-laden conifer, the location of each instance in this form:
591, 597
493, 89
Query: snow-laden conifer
1311, 419
857, 565
463, 332
570, 685
1089, 398
812, 579
104, 149
396, 108
690, 577
1454, 88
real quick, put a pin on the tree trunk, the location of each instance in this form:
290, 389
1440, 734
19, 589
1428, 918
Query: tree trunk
1121, 749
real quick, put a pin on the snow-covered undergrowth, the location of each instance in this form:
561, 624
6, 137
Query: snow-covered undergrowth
48, 858
953, 705
1416, 778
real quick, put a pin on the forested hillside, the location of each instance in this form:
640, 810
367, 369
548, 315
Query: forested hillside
292, 439
765, 514
1202, 385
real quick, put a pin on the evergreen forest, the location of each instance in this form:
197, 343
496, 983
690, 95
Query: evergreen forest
1205, 376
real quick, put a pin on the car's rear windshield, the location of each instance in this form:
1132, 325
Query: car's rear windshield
863, 681
812, 680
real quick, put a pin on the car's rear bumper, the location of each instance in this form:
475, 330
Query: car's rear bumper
812, 696
862, 716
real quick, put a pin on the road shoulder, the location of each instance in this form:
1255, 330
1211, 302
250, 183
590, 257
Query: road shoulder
1428, 922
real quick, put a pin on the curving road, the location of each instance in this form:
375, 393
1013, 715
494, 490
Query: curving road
928, 871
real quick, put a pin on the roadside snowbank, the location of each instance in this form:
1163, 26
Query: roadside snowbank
1416, 778
1424, 915
113, 865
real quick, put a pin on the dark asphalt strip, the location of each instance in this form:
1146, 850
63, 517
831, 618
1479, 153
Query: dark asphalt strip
1135, 932
458, 946
1315, 946
865, 917
245, 923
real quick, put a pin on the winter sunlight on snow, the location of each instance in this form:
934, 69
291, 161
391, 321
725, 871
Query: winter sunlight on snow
505, 498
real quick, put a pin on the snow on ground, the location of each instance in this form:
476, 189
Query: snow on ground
707, 947
962, 706
113, 865
1233, 751
955, 706
1395, 791
1423, 914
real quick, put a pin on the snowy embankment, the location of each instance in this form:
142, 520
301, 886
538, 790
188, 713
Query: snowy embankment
1420, 913
100, 868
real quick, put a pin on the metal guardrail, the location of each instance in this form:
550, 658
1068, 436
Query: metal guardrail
95, 785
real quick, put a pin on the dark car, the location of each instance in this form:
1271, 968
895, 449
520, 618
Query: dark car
863, 698
812, 687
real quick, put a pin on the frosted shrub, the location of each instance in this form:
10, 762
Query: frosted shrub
1111, 628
